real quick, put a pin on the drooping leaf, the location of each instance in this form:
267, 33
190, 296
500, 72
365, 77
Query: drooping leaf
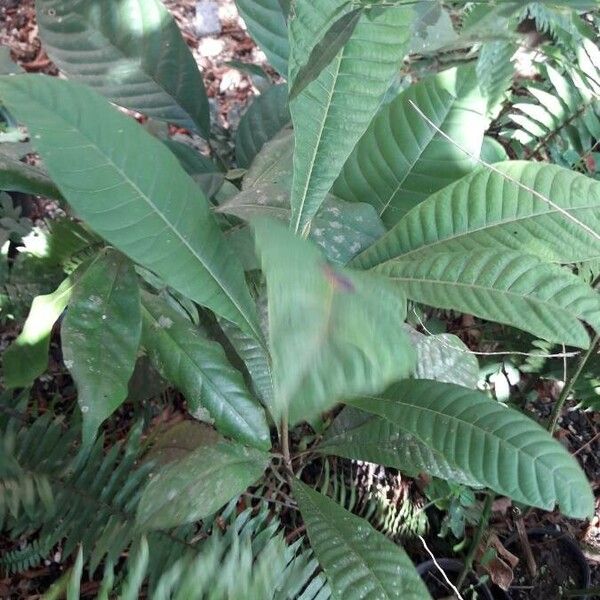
141, 202
433, 28
100, 336
333, 332
359, 561
199, 484
326, 49
487, 210
214, 390
401, 159
132, 52
505, 287
266, 116
341, 228
358, 435
266, 22
334, 110
498, 446
27, 357
17, 176
444, 357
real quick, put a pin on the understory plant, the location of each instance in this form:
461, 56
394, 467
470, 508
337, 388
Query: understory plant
281, 284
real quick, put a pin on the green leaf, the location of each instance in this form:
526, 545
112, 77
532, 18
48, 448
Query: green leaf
199, 484
401, 159
17, 176
142, 202
485, 210
444, 357
266, 23
333, 332
334, 110
341, 228
74, 584
499, 447
266, 116
506, 287
100, 337
214, 390
359, 435
132, 52
27, 357
359, 561
326, 49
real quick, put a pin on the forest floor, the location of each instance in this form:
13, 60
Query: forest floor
229, 90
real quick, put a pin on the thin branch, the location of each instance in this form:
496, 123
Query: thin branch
435, 562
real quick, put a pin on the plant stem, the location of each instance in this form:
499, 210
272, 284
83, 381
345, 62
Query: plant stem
553, 421
481, 527
285, 445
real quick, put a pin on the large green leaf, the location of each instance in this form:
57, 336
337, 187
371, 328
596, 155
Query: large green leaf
266, 116
487, 209
499, 447
334, 110
506, 287
266, 23
27, 357
359, 435
129, 50
132, 191
333, 332
17, 176
199, 484
214, 390
341, 228
100, 336
401, 159
359, 561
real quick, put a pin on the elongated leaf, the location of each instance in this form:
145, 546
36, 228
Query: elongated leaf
326, 49
334, 110
498, 446
27, 357
444, 357
199, 484
132, 52
140, 201
359, 435
198, 367
266, 116
16, 176
333, 332
486, 210
401, 159
509, 287
266, 23
359, 561
100, 336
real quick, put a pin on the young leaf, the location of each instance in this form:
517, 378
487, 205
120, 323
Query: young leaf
401, 159
132, 191
100, 337
17, 176
199, 484
512, 288
499, 447
359, 435
333, 332
334, 110
266, 22
511, 217
132, 52
359, 561
199, 368
266, 116
27, 357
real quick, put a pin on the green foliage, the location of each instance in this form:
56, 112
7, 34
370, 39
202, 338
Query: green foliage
268, 292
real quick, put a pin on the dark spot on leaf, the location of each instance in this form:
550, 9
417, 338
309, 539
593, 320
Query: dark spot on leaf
338, 281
